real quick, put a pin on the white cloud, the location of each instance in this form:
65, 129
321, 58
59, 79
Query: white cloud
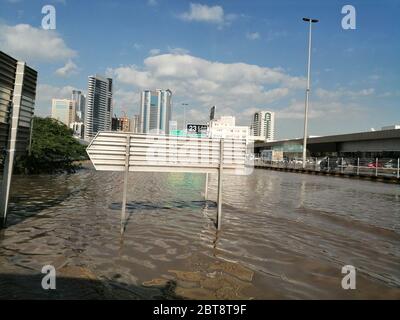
152, 3
231, 86
273, 35
342, 93
34, 44
126, 100
252, 35
70, 68
374, 77
320, 109
178, 50
154, 52
237, 89
209, 14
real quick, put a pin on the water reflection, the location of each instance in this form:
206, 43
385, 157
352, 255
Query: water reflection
284, 236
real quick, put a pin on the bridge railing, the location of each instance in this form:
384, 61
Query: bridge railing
384, 167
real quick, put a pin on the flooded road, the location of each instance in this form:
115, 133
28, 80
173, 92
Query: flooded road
284, 236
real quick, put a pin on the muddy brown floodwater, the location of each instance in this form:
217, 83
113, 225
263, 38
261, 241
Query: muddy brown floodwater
284, 235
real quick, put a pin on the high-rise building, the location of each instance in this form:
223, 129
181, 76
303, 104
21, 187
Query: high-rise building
63, 110
155, 111
120, 124
99, 106
79, 101
17, 100
263, 125
134, 125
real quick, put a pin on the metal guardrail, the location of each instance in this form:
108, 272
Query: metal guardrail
132, 152
378, 167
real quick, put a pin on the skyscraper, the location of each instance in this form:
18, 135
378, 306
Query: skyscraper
155, 111
264, 125
63, 110
99, 106
79, 101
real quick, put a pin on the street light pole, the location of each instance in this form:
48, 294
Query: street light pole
184, 115
311, 21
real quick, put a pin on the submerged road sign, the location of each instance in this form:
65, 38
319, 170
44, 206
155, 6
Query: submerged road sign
130, 152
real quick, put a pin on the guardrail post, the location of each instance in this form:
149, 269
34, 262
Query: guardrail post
342, 166
376, 167
220, 172
206, 188
358, 166
398, 168
328, 165
123, 211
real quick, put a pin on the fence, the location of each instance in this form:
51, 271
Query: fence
378, 167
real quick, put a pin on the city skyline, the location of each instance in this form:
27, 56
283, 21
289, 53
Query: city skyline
348, 94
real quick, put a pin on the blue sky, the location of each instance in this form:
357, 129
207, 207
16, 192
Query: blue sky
240, 55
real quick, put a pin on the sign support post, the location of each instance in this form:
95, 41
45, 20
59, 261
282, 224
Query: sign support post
134, 152
220, 173
206, 188
123, 211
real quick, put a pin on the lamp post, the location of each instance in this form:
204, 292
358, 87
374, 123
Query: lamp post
310, 21
184, 115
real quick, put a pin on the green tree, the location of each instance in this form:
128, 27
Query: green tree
53, 149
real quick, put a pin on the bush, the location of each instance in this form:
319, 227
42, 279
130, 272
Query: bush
54, 149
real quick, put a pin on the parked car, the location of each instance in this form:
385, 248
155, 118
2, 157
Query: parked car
333, 164
391, 164
373, 164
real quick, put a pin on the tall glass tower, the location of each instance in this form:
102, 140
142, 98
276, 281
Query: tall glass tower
155, 111
79, 101
99, 106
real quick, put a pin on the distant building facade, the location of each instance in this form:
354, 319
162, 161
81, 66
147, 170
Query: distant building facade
263, 125
134, 125
392, 127
120, 124
225, 128
99, 106
155, 111
79, 100
78, 129
63, 110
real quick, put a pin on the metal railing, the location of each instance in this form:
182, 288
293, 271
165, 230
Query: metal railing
383, 167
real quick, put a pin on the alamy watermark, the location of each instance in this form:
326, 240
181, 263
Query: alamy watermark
349, 20
349, 280
49, 20
49, 280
